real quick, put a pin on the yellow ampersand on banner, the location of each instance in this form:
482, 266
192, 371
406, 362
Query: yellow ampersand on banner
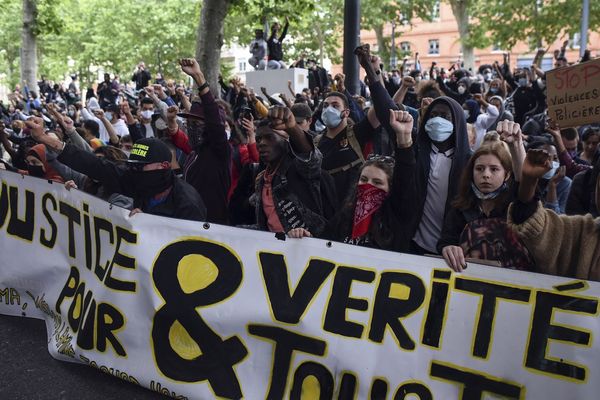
188, 274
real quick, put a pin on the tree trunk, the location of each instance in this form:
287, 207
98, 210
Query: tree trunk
460, 9
29, 46
321, 43
210, 40
383, 51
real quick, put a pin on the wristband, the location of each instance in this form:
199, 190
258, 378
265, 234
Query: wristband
203, 86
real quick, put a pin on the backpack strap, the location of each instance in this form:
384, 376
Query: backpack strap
353, 142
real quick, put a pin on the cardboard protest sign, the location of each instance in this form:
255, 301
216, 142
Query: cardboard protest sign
574, 94
203, 311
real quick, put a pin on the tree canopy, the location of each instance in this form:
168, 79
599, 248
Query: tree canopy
76, 36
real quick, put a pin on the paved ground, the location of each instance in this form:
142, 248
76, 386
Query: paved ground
28, 372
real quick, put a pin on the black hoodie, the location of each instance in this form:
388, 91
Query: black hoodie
462, 153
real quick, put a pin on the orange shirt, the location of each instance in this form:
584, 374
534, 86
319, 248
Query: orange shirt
273, 221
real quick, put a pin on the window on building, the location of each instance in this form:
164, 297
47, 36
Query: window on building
405, 47
434, 46
496, 47
242, 66
435, 12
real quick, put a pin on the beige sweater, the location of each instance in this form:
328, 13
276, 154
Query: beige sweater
560, 244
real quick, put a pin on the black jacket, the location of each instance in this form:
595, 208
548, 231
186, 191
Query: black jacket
208, 166
182, 202
141, 79
304, 197
456, 220
462, 153
274, 44
392, 226
582, 197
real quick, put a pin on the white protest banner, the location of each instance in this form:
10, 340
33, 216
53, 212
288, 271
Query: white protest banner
574, 94
198, 311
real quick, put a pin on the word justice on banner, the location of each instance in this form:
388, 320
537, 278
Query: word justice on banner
198, 311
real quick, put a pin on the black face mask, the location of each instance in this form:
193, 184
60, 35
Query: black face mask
35, 170
195, 134
150, 183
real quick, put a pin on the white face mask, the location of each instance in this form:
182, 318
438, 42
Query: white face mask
147, 114
228, 133
108, 115
439, 129
462, 90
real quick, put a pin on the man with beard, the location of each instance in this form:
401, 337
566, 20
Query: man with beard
146, 177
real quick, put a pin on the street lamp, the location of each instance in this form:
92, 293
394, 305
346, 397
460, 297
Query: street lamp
351, 41
585, 14
393, 49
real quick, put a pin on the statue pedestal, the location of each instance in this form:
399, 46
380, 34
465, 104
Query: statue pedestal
276, 80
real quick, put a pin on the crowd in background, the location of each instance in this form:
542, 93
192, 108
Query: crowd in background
424, 160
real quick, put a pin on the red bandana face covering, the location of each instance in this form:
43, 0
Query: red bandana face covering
368, 200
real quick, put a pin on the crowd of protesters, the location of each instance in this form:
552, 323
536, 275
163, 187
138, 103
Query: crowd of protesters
462, 164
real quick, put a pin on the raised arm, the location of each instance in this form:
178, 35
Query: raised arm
283, 119
215, 126
112, 134
510, 132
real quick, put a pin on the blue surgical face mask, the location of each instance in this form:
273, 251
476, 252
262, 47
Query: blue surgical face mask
488, 196
552, 172
467, 114
439, 129
332, 117
108, 115
522, 82
319, 127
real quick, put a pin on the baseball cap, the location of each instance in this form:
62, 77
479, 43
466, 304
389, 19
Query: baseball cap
148, 151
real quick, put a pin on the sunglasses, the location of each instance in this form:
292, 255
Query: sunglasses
379, 158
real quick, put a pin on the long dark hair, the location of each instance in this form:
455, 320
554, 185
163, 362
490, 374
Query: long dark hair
379, 230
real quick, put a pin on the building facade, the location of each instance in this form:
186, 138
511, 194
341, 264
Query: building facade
438, 40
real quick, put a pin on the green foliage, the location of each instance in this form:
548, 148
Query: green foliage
10, 41
312, 24
82, 35
378, 13
507, 22
76, 36
48, 20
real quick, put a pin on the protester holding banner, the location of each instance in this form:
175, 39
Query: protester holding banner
381, 212
443, 152
38, 166
475, 226
208, 162
148, 177
560, 245
293, 195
